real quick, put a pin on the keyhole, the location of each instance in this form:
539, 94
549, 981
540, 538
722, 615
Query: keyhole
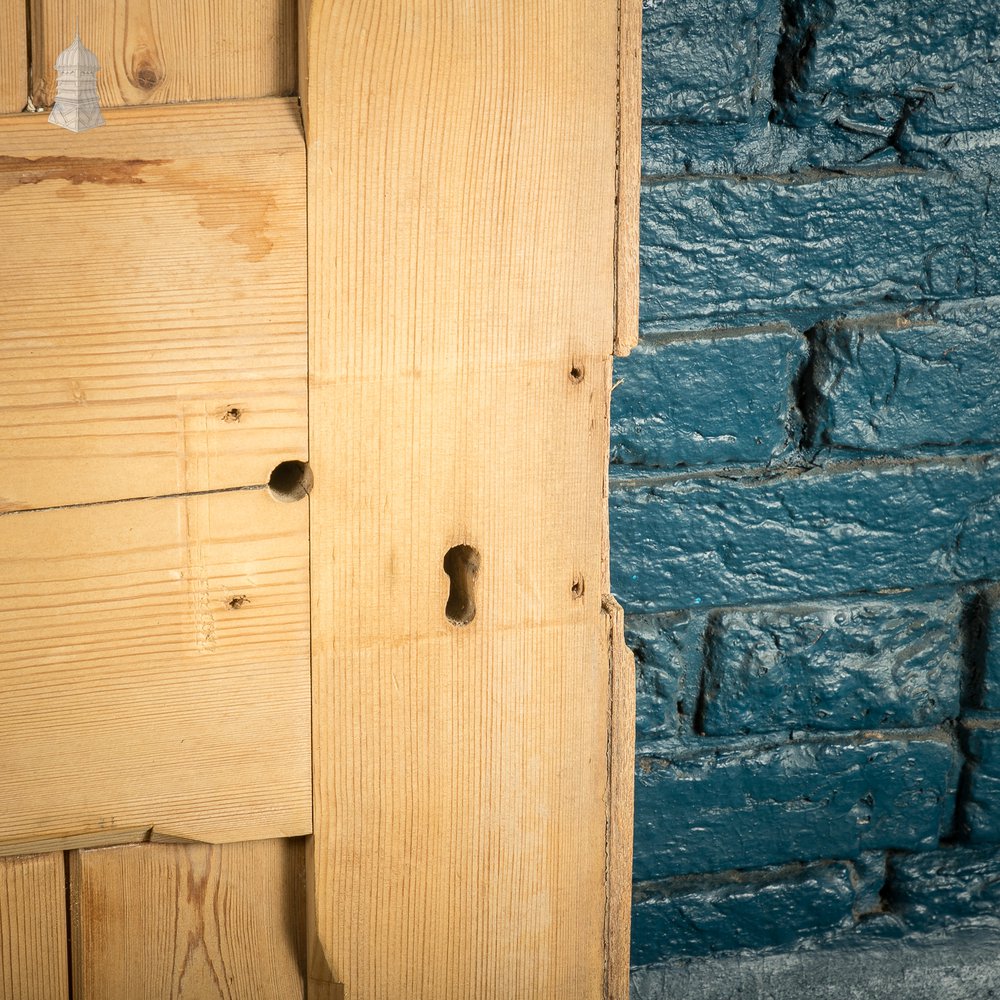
461, 563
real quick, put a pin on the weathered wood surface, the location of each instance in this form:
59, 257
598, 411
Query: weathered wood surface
629, 172
155, 672
153, 325
462, 185
621, 768
13, 56
33, 950
188, 922
159, 51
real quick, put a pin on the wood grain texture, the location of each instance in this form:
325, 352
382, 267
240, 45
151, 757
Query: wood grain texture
629, 174
13, 56
155, 672
621, 777
33, 953
159, 51
462, 184
188, 922
153, 335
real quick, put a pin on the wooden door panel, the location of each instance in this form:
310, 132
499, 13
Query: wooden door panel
153, 323
462, 227
159, 51
33, 951
155, 672
188, 921
13, 56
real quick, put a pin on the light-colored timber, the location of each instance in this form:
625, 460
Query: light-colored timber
188, 922
629, 171
161, 51
34, 957
13, 56
153, 326
155, 672
462, 189
621, 769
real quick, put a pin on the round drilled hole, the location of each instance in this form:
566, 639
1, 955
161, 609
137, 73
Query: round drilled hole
576, 373
290, 481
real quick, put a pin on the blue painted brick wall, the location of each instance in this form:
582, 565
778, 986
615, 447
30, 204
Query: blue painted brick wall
805, 481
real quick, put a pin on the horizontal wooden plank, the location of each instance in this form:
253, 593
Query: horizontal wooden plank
188, 922
153, 329
160, 51
33, 953
155, 672
13, 56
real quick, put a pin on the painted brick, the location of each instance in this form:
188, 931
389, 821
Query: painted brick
720, 541
707, 401
753, 148
988, 642
707, 61
921, 382
698, 916
941, 889
668, 659
750, 807
934, 65
734, 251
858, 663
980, 811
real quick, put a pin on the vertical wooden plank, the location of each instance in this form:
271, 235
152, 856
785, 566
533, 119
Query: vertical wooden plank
462, 187
13, 56
188, 921
629, 173
158, 51
33, 949
621, 769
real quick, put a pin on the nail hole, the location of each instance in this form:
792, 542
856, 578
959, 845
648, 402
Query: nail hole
290, 481
238, 601
577, 587
576, 374
461, 563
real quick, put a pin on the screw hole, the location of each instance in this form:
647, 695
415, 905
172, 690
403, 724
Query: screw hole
577, 588
461, 563
290, 481
576, 374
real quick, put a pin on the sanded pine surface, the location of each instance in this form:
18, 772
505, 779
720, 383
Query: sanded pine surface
13, 56
188, 922
155, 672
33, 951
160, 51
153, 330
621, 767
629, 173
462, 183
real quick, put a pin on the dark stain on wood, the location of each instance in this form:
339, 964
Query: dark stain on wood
18, 170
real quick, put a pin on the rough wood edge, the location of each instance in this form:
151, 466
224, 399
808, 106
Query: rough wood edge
626, 334
621, 793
